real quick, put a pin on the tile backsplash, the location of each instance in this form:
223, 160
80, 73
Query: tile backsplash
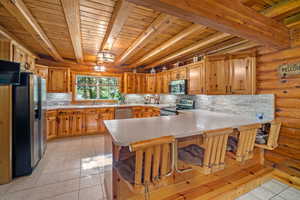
246, 105
59, 99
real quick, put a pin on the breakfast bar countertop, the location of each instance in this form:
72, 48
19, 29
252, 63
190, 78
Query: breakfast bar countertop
127, 131
78, 106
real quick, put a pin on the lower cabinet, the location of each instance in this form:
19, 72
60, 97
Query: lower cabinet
77, 122
51, 124
91, 121
144, 112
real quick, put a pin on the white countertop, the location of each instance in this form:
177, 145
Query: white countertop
127, 131
74, 106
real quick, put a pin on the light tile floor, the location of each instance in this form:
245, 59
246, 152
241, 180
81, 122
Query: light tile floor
73, 168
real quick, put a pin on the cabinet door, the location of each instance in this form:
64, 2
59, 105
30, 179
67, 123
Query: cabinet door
129, 83
51, 126
174, 75
151, 83
105, 114
159, 83
182, 73
165, 82
242, 78
196, 76
64, 124
91, 121
77, 123
140, 83
58, 80
217, 75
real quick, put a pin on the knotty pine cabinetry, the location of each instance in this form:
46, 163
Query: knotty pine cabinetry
214, 75
78, 122
22, 56
196, 78
150, 83
144, 112
58, 80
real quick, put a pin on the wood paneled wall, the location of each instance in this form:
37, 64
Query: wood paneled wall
5, 122
287, 156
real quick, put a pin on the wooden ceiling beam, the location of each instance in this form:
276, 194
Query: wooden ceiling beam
281, 7
161, 23
180, 36
72, 15
118, 19
218, 37
228, 16
18, 9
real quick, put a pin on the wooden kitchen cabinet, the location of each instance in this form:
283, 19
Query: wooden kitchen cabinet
42, 71
242, 76
26, 59
58, 80
64, 123
105, 114
196, 78
159, 83
129, 83
51, 124
151, 83
179, 73
77, 122
217, 75
91, 121
165, 82
140, 83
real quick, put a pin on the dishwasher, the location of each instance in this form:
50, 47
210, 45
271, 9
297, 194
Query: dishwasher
123, 113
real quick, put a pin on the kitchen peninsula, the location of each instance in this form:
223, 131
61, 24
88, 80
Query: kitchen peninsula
187, 128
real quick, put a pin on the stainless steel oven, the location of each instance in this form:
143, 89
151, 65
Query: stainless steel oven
178, 87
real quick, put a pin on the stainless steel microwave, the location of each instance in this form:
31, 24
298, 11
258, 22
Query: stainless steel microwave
178, 87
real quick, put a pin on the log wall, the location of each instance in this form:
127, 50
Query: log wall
287, 91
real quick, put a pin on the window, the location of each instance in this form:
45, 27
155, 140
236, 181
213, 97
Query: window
97, 88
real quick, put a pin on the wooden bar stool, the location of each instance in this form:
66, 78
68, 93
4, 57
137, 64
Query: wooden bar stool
273, 135
245, 140
149, 168
209, 157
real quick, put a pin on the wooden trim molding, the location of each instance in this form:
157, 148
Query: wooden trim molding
102, 74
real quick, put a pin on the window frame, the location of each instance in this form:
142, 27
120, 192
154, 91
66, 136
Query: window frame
101, 74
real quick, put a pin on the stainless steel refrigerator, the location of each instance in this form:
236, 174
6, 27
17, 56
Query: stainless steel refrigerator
29, 140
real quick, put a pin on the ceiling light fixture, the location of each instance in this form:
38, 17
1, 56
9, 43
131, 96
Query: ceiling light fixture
105, 56
100, 68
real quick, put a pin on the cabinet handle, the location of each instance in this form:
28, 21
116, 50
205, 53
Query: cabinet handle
226, 88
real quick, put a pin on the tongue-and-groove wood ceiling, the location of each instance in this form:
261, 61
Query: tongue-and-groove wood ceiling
139, 36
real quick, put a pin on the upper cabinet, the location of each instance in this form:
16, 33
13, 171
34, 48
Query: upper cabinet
242, 76
214, 75
196, 78
129, 83
150, 83
27, 60
217, 71
58, 79
179, 73
140, 83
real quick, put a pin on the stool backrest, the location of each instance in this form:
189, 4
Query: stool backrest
215, 143
247, 135
154, 159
